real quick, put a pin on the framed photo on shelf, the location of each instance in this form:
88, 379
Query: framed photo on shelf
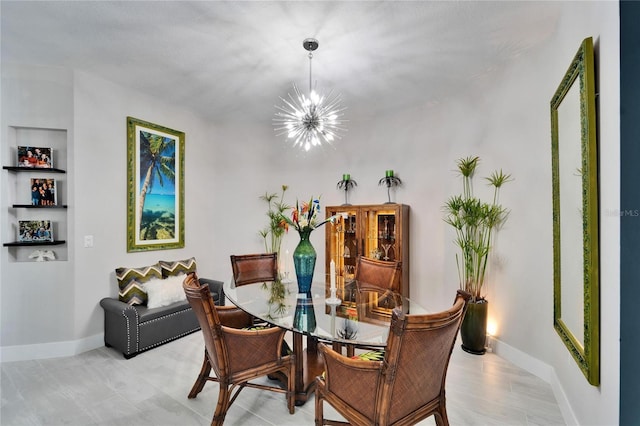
155, 181
43, 192
34, 157
31, 231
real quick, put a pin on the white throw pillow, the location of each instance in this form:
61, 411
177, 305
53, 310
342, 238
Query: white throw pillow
163, 292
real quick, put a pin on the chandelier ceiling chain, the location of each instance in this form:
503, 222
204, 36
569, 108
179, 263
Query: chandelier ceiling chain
310, 69
313, 120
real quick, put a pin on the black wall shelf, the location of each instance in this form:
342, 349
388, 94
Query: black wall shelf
31, 206
34, 243
33, 169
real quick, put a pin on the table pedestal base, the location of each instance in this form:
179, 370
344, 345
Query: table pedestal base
309, 365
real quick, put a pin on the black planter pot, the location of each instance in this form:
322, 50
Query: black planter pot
473, 330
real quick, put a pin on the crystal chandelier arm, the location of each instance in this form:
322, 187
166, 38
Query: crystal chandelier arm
294, 109
289, 113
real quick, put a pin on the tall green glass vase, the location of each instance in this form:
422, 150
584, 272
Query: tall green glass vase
304, 261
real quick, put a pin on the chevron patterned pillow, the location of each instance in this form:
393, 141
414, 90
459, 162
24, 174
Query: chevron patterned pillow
171, 269
130, 282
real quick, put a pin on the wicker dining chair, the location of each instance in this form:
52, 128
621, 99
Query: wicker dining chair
407, 386
380, 275
236, 355
254, 268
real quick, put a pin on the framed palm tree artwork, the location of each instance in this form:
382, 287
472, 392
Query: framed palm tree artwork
155, 179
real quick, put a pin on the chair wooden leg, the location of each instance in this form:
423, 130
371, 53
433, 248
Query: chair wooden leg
223, 405
202, 377
441, 415
319, 406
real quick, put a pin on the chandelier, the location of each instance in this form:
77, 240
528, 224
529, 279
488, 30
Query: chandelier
313, 120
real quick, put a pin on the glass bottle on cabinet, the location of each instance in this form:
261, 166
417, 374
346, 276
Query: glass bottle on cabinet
379, 231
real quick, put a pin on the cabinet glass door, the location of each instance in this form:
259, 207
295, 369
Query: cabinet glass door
343, 247
343, 243
380, 241
378, 231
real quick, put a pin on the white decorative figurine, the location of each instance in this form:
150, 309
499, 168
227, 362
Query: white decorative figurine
42, 255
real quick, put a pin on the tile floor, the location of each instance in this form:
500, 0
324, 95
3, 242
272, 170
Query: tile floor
100, 387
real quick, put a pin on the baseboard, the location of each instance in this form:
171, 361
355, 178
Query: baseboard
50, 350
539, 369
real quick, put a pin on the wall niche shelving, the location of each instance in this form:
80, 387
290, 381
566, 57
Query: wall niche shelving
49, 205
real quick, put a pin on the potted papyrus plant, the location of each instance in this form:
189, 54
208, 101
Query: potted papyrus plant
475, 222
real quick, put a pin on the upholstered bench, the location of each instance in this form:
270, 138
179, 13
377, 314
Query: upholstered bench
151, 308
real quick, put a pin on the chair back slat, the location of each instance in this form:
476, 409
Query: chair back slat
253, 268
374, 274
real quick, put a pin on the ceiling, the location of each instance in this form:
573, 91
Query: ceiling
228, 59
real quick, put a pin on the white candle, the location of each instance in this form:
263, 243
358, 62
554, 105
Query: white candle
332, 275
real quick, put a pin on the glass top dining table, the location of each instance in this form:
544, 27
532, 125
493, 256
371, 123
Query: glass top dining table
359, 318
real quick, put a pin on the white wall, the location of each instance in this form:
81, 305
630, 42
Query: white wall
506, 123
599, 405
229, 165
101, 188
524, 291
59, 300
23, 283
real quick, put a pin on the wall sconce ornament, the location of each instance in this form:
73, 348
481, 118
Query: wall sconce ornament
390, 180
346, 183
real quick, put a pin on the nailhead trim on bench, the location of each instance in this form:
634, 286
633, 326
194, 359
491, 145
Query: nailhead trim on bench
126, 318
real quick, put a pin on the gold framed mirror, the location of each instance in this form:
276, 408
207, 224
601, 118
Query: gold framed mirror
576, 290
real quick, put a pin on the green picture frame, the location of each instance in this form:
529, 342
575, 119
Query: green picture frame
576, 259
155, 187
